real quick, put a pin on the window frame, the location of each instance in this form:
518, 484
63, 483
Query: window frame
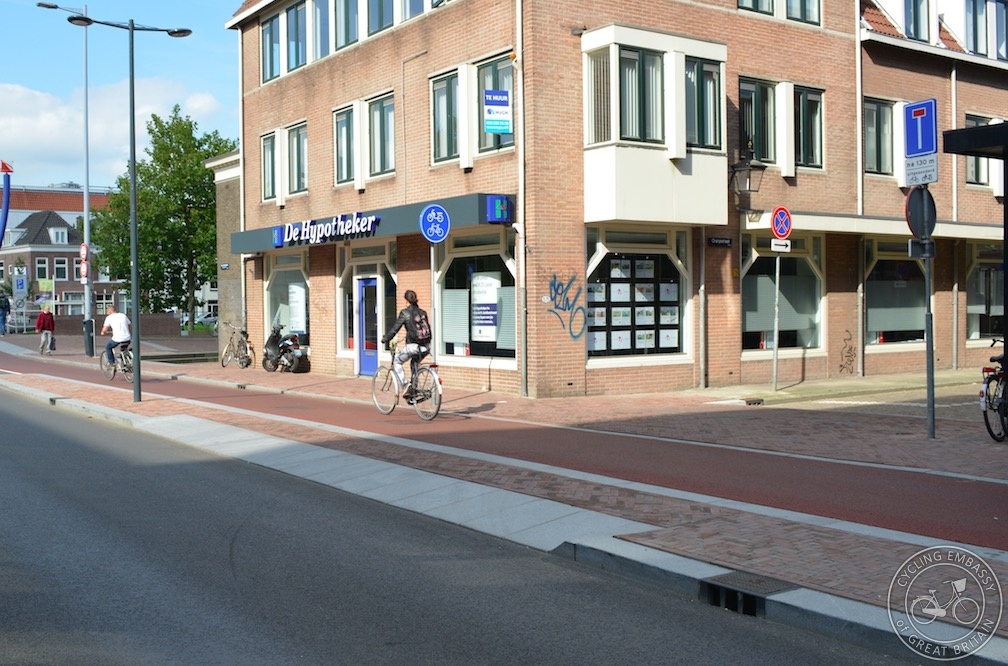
41, 268
804, 11
61, 269
917, 20
976, 26
977, 168
268, 160
297, 36
297, 158
269, 36
345, 27
1001, 29
883, 139
405, 8
489, 141
381, 149
639, 120
380, 15
444, 130
758, 6
808, 128
703, 104
343, 148
758, 113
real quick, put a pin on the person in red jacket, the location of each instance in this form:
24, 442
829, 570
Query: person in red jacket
45, 324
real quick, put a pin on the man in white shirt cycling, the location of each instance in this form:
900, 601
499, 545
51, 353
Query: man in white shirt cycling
119, 325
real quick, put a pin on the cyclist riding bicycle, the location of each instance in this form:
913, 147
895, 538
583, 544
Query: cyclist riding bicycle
119, 325
418, 337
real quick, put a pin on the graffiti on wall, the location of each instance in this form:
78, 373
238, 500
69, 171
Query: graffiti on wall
563, 301
848, 355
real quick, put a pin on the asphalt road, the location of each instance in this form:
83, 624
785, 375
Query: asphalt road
123, 548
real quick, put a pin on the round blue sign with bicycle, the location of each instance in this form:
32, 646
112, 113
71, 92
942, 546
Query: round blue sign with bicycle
435, 223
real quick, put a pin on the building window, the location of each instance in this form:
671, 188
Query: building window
1001, 28
985, 296
917, 20
343, 129
382, 128
58, 236
757, 119
41, 268
61, 268
894, 295
878, 137
3, 272
599, 116
800, 295
472, 284
320, 29
761, 6
297, 37
806, 11
270, 36
297, 147
346, 22
379, 15
269, 167
411, 8
77, 265
496, 75
976, 26
976, 167
641, 95
445, 121
703, 103
808, 127
287, 293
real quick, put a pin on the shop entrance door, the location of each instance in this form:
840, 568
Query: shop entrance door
367, 325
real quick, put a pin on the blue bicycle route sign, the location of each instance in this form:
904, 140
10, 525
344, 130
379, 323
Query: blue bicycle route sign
435, 223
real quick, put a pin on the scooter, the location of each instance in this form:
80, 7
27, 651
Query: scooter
282, 352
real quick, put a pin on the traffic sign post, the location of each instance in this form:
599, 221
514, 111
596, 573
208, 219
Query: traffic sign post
921, 217
435, 223
780, 225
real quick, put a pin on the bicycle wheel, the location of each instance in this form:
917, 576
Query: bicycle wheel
127, 365
249, 359
994, 407
426, 393
227, 356
385, 389
107, 369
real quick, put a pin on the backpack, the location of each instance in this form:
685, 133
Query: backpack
421, 326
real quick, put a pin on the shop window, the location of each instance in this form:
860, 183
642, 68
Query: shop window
798, 314
477, 308
985, 294
633, 306
757, 119
287, 294
894, 297
878, 137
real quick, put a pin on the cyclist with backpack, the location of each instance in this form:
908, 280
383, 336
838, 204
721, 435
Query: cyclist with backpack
418, 336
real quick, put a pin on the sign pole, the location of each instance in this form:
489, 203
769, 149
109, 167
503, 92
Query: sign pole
780, 225
776, 319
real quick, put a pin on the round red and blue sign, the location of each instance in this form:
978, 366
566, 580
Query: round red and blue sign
780, 222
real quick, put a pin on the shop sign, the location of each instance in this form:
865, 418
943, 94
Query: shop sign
326, 230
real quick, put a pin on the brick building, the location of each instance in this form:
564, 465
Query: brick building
561, 184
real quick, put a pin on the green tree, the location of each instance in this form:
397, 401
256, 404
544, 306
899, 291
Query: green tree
176, 216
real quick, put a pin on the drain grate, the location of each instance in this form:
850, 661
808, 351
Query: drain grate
741, 592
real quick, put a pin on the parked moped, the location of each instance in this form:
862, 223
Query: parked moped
283, 352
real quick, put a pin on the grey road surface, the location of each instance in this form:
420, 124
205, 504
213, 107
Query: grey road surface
121, 548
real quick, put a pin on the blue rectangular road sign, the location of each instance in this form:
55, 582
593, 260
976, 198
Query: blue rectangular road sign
920, 126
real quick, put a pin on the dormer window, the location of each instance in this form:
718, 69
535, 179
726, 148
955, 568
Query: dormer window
58, 236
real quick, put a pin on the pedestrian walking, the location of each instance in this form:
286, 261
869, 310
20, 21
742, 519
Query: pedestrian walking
46, 325
4, 311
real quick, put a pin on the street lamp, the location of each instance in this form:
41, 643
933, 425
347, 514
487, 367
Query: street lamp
747, 173
86, 279
85, 21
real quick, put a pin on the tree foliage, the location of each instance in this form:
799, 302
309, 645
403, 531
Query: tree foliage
176, 216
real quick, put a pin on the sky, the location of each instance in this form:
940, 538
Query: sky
42, 83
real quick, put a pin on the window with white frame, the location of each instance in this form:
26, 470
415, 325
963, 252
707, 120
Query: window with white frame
976, 26
343, 131
41, 268
878, 137
917, 19
297, 158
641, 95
411, 8
61, 268
444, 124
3, 272
379, 15
806, 11
976, 167
800, 294
495, 75
985, 292
297, 36
703, 103
599, 114
287, 292
808, 127
761, 6
346, 23
269, 167
58, 236
270, 40
895, 300
381, 125
1001, 28
757, 118
320, 28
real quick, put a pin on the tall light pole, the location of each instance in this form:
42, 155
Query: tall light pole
85, 21
86, 279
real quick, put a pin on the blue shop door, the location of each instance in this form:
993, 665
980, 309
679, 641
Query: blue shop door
368, 349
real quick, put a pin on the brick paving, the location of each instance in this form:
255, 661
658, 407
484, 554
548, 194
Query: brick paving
807, 420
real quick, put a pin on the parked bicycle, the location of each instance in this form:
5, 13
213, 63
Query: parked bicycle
992, 397
237, 349
123, 362
424, 390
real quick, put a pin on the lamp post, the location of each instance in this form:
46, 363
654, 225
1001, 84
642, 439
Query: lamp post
747, 173
85, 21
85, 279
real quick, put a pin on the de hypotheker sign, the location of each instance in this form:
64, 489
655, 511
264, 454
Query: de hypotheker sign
326, 230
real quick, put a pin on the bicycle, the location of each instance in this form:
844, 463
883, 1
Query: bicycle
925, 608
424, 391
123, 354
992, 397
240, 349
